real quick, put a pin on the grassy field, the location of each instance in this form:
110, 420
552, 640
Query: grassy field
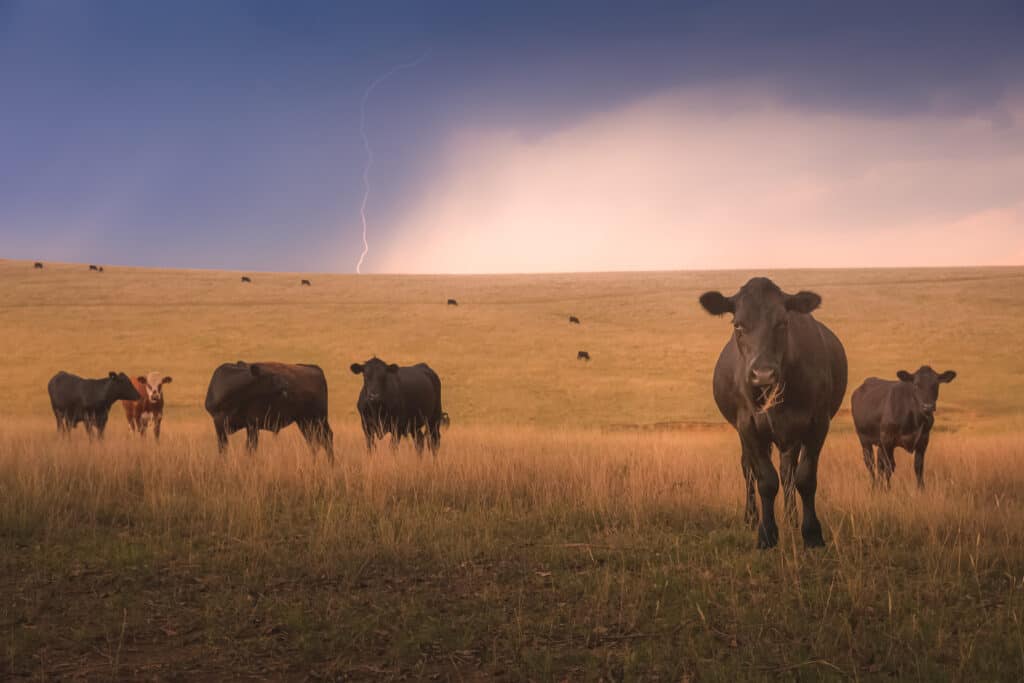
583, 520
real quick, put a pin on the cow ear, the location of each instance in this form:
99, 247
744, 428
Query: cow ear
141, 379
392, 368
716, 303
356, 368
947, 376
905, 376
167, 380
803, 302
255, 370
113, 375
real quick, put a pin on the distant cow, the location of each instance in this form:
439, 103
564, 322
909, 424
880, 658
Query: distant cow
269, 396
75, 400
150, 406
582, 355
246, 278
453, 302
101, 269
573, 319
779, 380
888, 414
93, 267
38, 265
402, 401
305, 283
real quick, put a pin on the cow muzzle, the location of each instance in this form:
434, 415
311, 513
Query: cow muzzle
763, 377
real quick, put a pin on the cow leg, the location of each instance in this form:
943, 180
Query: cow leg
396, 438
750, 516
886, 462
156, 427
919, 463
768, 487
435, 436
807, 485
420, 439
143, 424
222, 435
252, 438
869, 459
369, 440
788, 460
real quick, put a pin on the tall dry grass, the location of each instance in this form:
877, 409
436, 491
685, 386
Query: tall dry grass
615, 554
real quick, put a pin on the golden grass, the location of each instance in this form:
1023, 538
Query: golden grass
583, 521
522, 553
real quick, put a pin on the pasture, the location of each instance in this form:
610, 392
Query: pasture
583, 520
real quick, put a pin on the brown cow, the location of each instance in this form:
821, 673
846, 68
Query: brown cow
151, 404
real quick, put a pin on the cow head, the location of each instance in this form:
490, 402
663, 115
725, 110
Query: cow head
761, 314
120, 387
153, 384
926, 384
376, 375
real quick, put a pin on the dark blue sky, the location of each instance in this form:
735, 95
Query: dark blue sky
225, 134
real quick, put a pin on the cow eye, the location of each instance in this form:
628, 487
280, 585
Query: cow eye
739, 328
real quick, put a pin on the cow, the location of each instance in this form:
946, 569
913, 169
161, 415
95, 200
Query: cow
75, 400
38, 265
269, 396
94, 267
900, 413
582, 355
246, 278
453, 302
101, 269
305, 283
402, 401
150, 406
779, 380
574, 320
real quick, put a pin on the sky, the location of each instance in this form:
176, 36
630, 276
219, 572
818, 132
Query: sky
533, 137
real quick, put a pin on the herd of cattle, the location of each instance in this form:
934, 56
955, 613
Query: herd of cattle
779, 381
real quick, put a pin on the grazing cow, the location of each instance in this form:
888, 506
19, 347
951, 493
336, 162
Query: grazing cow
779, 380
150, 407
246, 278
306, 283
92, 267
453, 302
582, 355
75, 400
38, 265
402, 401
888, 414
573, 319
269, 396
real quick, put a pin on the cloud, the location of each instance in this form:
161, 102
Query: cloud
722, 178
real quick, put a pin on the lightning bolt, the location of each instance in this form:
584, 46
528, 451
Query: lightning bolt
366, 144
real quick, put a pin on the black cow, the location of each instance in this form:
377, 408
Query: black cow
269, 396
246, 278
574, 319
582, 355
38, 265
453, 302
779, 380
306, 283
402, 401
92, 267
888, 414
75, 400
